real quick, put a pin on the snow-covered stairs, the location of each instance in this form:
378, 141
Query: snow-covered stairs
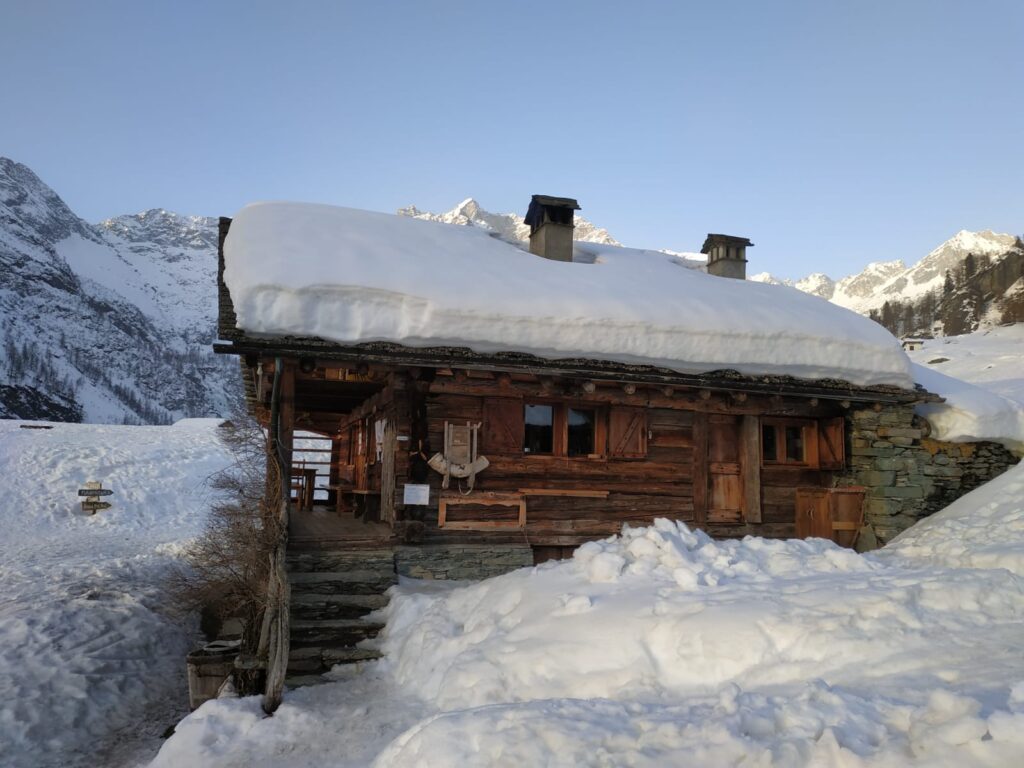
332, 593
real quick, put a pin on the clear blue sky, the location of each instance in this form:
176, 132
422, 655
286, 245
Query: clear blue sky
830, 133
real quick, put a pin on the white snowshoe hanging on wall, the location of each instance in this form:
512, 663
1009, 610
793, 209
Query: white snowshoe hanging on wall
459, 457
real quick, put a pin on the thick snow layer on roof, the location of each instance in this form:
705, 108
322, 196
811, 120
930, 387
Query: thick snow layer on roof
970, 413
354, 276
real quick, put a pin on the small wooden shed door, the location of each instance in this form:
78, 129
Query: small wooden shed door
812, 513
830, 513
725, 493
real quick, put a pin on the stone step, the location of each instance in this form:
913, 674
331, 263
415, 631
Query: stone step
318, 658
350, 582
375, 560
333, 632
318, 606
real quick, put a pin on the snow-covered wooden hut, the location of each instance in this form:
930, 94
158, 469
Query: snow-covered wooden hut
484, 406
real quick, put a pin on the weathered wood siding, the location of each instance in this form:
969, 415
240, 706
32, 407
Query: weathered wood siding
681, 456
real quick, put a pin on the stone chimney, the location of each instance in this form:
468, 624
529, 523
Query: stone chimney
727, 255
551, 225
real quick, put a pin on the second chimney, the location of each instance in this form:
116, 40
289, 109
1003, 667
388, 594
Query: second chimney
727, 255
551, 226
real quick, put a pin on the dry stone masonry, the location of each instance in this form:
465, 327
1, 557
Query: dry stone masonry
909, 476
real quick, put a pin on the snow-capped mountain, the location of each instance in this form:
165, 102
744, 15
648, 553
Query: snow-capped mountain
507, 226
892, 281
161, 249
105, 323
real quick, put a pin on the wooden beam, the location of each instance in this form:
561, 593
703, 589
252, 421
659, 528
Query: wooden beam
395, 355
563, 492
700, 468
750, 468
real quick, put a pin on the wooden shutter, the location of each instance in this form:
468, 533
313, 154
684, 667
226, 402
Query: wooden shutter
502, 428
725, 499
627, 432
831, 443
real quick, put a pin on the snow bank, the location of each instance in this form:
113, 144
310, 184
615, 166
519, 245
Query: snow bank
91, 661
664, 647
970, 413
355, 276
984, 529
992, 358
668, 611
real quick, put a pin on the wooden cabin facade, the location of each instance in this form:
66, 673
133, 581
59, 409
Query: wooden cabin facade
445, 462
574, 448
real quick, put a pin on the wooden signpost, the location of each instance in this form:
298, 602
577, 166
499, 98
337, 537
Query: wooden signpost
92, 492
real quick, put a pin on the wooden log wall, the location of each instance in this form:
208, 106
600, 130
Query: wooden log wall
670, 480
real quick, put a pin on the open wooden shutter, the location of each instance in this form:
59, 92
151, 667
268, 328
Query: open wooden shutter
627, 432
502, 428
831, 443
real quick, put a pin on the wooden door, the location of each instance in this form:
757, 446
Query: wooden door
725, 481
813, 516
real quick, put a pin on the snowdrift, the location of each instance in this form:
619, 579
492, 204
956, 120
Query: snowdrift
664, 647
91, 658
354, 276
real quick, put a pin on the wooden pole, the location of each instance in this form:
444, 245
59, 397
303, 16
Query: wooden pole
275, 632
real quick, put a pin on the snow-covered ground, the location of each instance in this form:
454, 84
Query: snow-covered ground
91, 661
663, 647
992, 358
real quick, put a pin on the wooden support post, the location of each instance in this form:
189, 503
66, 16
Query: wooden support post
287, 428
700, 468
750, 468
389, 448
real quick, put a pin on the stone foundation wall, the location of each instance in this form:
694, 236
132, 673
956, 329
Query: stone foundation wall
461, 561
907, 475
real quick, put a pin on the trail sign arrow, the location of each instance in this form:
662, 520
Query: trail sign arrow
92, 492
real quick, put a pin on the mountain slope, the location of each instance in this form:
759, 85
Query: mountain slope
103, 324
985, 286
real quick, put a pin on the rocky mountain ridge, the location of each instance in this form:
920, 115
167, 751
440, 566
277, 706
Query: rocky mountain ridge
893, 281
108, 323
507, 226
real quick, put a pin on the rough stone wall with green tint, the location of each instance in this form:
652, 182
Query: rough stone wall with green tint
907, 475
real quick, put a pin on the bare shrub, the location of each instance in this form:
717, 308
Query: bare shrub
227, 568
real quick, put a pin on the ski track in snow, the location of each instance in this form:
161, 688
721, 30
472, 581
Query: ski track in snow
91, 659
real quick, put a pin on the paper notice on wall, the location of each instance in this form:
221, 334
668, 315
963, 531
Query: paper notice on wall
416, 495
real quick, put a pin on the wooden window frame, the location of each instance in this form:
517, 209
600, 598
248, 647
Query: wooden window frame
560, 428
809, 434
